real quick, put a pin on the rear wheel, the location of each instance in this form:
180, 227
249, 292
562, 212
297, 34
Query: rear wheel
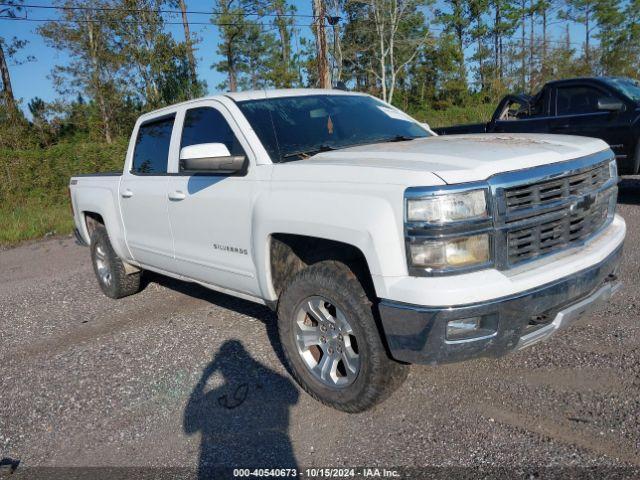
109, 269
636, 161
331, 341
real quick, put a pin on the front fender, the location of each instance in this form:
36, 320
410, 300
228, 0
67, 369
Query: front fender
369, 219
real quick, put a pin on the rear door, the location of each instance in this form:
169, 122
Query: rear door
576, 113
211, 213
143, 195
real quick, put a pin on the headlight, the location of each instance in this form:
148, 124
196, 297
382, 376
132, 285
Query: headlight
450, 207
453, 253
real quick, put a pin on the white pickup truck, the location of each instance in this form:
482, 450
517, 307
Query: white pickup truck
378, 243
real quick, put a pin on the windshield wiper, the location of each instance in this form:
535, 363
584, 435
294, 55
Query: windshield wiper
310, 152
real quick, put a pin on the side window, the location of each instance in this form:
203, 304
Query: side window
207, 125
577, 100
151, 153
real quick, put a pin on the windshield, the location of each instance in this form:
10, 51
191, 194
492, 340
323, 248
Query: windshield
293, 128
627, 86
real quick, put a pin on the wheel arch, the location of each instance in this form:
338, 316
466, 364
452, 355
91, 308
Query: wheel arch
290, 253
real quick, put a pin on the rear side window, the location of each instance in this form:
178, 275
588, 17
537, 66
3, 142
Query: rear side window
151, 154
577, 100
207, 125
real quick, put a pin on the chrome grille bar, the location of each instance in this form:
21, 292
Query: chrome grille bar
543, 210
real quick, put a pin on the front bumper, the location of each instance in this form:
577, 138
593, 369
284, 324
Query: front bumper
417, 334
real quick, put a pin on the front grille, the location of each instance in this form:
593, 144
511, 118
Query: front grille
549, 236
545, 193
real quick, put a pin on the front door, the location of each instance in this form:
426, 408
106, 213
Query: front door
520, 114
211, 214
143, 196
577, 113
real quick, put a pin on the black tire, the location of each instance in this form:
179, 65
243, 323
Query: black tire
109, 269
635, 166
378, 375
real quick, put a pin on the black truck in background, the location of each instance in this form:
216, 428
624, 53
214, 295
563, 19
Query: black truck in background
601, 107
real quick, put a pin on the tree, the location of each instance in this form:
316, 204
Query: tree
85, 31
399, 34
582, 11
613, 50
8, 51
233, 27
189, 43
478, 33
155, 61
283, 72
457, 20
320, 34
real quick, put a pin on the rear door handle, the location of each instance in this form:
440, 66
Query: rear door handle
177, 195
126, 194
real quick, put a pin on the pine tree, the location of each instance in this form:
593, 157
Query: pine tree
582, 11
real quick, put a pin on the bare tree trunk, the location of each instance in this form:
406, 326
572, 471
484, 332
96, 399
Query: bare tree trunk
322, 63
337, 52
285, 41
496, 39
587, 38
7, 90
480, 58
544, 43
531, 43
231, 66
523, 68
96, 80
187, 37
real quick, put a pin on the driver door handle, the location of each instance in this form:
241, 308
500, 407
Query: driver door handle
126, 194
177, 195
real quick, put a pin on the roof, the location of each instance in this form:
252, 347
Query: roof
284, 92
252, 95
582, 79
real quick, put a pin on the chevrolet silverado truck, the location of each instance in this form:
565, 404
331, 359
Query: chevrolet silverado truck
600, 107
378, 243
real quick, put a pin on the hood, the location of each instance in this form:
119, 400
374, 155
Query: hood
464, 158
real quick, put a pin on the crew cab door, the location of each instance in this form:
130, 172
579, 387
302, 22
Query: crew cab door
577, 113
210, 214
143, 194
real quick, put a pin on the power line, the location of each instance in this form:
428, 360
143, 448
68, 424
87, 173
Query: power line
141, 10
513, 42
140, 22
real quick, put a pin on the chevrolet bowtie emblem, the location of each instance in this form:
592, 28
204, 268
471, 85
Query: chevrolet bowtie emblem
583, 204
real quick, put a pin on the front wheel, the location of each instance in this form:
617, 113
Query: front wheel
330, 338
114, 281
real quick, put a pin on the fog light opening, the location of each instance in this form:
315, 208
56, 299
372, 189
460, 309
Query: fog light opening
471, 328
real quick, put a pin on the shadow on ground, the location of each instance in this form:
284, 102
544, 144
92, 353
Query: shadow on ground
241, 410
239, 406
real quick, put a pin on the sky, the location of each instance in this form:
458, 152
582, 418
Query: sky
31, 79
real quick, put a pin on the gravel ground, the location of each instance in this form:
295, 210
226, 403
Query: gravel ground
177, 373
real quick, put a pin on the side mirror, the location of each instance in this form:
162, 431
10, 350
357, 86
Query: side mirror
610, 104
210, 158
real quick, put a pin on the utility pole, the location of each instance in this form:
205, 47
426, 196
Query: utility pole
319, 15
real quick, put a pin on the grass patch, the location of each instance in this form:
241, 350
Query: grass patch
479, 113
33, 220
